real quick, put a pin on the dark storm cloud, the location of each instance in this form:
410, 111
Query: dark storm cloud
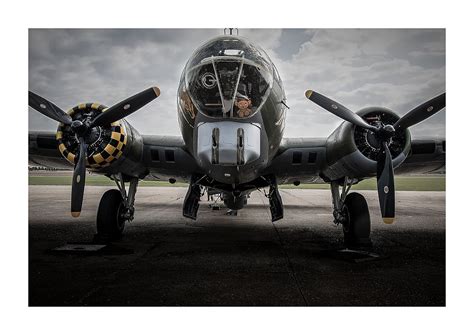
397, 69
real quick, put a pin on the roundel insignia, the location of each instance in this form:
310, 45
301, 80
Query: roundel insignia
112, 148
385, 189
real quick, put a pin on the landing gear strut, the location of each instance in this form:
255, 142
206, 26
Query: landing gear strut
115, 208
352, 212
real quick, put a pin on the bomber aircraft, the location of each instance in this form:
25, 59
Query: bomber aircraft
231, 111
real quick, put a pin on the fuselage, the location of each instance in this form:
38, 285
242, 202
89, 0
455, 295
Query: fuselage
231, 109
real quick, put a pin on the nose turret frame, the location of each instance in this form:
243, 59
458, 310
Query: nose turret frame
226, 78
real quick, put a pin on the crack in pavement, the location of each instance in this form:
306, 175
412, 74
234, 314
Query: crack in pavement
290, 265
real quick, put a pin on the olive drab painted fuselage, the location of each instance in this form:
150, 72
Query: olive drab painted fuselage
231, 108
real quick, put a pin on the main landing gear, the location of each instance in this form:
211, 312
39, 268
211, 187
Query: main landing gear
116, 207
352, 212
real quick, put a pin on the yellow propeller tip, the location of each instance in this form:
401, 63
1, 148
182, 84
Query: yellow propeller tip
75, 214
157, 91
388, 220
308, 93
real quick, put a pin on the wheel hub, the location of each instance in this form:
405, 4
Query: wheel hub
345, 219
341, 216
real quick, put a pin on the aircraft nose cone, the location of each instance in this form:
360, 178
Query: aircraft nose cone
226, 149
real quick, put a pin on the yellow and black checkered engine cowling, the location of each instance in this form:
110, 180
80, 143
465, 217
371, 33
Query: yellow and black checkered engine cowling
105, 144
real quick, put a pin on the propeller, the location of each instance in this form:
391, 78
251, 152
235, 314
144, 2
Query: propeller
48, 108
386, 184
422, 112
79, 179
82, 129
126, 107
383, 133
338, 110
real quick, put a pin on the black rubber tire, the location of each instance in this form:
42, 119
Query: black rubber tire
110, 224
357, 226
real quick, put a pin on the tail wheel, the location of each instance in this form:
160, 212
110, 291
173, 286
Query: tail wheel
357, 224
110, 216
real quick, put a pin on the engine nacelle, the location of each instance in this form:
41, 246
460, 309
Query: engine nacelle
352, 151
118, 147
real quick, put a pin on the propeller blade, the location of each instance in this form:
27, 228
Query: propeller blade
338, 110
386, 184
422, 112
47, 108
126, 107
79, 180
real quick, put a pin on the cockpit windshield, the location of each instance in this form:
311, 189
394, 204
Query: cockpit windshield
228, 77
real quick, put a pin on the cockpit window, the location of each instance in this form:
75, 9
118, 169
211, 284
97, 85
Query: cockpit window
228, 78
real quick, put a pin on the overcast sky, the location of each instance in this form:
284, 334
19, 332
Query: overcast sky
397, 69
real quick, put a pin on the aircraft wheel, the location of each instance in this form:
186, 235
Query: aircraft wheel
357, 224
110, 216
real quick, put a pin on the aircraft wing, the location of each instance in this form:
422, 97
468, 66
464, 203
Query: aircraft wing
427, 155
299, 159
306, 159
162, 157
43, 151
166, 158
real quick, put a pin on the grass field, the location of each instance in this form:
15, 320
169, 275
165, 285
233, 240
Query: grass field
403, 183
